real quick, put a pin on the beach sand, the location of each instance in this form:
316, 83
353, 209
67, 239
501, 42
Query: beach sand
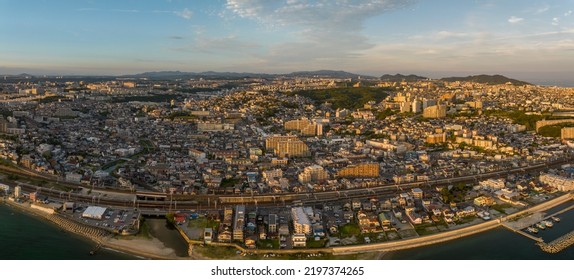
148, 248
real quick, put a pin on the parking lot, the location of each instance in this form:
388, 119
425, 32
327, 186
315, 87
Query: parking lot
114, 220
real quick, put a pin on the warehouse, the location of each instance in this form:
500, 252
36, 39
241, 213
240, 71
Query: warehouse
94, 212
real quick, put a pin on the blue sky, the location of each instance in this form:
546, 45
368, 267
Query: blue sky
521, 38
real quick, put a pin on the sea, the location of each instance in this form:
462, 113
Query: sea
25, 237
497, 244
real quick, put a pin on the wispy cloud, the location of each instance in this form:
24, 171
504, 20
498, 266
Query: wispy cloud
185, 13
568, 13
514, 19
319, 25
449, 34
542, 10
555, 21
124, 11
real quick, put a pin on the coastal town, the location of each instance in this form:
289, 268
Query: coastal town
284, 163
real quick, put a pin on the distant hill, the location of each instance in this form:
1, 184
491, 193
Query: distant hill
486, 79
169, 75
327, 74
235, 75
400, 78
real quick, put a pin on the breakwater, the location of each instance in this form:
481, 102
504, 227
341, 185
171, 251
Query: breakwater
559, 244
95, 234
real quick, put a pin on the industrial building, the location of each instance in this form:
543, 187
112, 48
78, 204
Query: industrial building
94, 212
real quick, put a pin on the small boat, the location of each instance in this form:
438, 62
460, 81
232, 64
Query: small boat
548, 224
540, 226
556, 219
532, 230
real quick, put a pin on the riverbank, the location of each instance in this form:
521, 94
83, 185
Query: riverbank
138, 247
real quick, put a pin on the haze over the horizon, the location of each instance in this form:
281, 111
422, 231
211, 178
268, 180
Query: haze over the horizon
524, 39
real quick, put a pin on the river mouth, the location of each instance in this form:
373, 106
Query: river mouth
168, 235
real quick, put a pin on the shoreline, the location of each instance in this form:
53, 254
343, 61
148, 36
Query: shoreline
155, 249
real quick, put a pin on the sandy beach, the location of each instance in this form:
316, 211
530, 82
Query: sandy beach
147, 248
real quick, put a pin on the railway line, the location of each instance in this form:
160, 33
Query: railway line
164, 202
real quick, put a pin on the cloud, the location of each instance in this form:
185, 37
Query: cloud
555, 21
449, 34
542, 10
176, 37
514, 19
186, 13
568, 13
324, 29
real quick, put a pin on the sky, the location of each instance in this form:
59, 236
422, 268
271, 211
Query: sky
521, 38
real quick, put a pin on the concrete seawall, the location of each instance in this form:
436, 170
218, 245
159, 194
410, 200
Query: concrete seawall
399, 244
449, 235
95, 234
559, 244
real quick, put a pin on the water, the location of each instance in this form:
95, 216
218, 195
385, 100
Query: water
496, 244
26, 237
168, 235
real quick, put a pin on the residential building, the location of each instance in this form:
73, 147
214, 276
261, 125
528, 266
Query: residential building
239, 222
363, 170
301, 222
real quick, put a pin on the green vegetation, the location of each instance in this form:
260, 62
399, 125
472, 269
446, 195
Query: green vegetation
268, 244
170, 218
144, 230
229, 182
112, 163
6, 162
500, 207
203, 222
384, 114
554, 130
351, 98
312, 243
465, 220
5, 113
486, 79
216, 252
518, 117
455, 194
349, 230
426, 229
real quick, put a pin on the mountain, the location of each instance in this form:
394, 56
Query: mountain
486, 79
327, 74
168, 75
236, 75
400, 78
